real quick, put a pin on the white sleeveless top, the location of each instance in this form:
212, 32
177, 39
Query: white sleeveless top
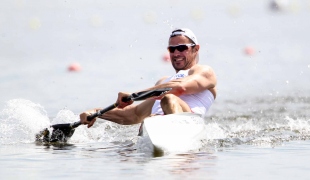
199, 103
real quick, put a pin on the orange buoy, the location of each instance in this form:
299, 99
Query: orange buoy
249, 50
74, 67
166, 57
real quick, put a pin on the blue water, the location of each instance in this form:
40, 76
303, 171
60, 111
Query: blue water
258, 127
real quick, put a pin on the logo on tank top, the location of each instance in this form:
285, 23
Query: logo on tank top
178, 76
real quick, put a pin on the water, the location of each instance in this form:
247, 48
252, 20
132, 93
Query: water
258, 127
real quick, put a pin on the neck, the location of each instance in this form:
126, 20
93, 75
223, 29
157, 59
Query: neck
181, 70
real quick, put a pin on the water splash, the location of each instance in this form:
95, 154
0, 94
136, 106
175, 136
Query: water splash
104, 131
259, 131
20, 120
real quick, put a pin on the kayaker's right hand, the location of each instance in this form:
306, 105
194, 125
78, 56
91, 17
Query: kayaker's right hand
122, 104
83, 118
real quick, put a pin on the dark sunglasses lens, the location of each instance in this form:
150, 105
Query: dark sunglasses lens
180, 48
171, 49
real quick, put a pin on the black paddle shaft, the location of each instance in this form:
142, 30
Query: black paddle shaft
133, 97
102, 111
94, 115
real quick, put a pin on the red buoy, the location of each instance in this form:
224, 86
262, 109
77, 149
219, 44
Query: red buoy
74, 67
166, 57
249, 50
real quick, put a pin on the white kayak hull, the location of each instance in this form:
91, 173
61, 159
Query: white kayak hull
175, 132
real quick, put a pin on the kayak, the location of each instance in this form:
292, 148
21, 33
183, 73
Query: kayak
175, 132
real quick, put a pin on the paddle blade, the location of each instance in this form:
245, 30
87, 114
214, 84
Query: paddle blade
61, 132
43, 136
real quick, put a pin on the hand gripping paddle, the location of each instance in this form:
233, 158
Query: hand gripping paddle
62, 132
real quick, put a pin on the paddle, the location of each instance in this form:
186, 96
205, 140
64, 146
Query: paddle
62, 132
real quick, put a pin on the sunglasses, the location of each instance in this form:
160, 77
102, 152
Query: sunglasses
180, 47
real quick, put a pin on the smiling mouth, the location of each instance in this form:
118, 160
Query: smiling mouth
177, 60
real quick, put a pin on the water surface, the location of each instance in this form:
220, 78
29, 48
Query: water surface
258, 127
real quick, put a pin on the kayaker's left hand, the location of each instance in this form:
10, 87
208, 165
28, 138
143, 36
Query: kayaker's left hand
83, 118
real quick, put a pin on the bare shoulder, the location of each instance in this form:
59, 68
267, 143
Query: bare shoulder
205, 77
201, 69
161, 80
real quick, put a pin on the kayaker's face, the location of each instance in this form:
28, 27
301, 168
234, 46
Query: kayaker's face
182, 57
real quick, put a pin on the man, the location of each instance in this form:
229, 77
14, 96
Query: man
193, 86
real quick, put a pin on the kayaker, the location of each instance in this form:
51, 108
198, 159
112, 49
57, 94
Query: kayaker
193, 86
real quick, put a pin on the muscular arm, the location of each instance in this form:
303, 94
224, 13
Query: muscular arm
199, 79
132, 114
